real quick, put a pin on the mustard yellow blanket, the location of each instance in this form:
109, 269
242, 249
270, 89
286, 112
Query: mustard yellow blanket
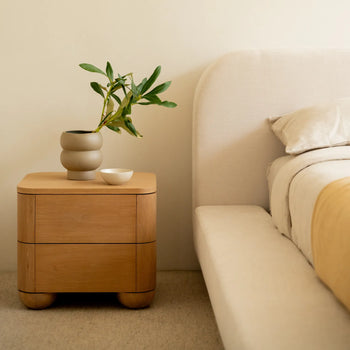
330, 238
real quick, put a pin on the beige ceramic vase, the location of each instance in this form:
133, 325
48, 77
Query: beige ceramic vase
81, 154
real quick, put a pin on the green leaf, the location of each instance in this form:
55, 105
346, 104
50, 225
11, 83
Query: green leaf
151, 80
114, 128
122, 81
126, 125
145, 103
116, 87
131, 127
120, 78
91, 68
154, 99
127, 109
96, 87
134, 89
110, 106
141, 85
158, 89
168, 104
109, 71
116, 98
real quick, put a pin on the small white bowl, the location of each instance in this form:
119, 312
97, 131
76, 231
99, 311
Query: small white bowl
116, 176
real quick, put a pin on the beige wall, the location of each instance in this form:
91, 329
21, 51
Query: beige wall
43, 91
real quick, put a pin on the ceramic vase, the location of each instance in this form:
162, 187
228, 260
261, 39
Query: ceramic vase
81, 154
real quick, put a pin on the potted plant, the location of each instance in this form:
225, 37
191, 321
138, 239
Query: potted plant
81, 154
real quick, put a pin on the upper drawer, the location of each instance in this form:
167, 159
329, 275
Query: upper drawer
85, 219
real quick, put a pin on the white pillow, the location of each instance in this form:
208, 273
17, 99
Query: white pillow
319, 126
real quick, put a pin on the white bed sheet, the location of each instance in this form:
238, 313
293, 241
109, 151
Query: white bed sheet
274, 169
295, 185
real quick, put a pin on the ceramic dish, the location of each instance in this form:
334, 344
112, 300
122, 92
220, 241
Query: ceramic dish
116, 176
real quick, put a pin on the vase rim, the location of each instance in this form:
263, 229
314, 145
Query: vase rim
79, 131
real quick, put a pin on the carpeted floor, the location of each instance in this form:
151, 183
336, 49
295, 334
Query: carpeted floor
180, 317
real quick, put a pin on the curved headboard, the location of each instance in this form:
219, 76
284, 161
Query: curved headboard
232, 141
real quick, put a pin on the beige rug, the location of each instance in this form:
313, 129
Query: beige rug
180, 317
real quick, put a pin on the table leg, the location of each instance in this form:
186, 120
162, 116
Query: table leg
136, 300
37, 300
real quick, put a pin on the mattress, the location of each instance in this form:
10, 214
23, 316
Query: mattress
264, 294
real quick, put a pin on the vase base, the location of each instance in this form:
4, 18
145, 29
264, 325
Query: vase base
81, 175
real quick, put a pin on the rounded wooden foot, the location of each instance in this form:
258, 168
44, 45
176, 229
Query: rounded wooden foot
37, 300
136, 300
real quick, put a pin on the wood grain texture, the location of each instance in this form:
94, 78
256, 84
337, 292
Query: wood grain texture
146, 267
57, 183
146, 218
136, 300
84, 236
86, 219
26, 267
37, 301
85, 267
26, 217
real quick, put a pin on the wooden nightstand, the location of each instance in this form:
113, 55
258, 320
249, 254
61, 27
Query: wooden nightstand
86, 236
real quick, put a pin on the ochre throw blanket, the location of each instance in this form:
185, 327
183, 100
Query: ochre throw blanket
330, 238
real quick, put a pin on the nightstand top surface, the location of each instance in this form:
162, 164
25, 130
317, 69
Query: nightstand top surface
57, 183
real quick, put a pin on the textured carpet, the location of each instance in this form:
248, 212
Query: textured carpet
180, 317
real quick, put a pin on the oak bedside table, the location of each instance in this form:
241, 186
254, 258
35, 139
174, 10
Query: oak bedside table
86, 236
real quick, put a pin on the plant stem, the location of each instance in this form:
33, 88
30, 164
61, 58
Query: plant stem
113, 116
105, 102
117, 114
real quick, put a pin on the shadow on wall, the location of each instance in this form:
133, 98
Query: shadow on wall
165, 149
174, 169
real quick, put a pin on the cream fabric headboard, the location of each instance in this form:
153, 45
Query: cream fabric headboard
232, 141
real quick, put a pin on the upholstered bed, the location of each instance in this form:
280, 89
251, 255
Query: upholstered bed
258, 269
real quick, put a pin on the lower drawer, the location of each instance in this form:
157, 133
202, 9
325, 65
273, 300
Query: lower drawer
76, 267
